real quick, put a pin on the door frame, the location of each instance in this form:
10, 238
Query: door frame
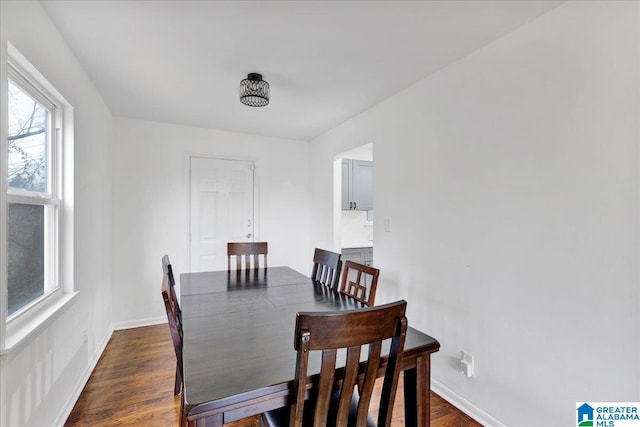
360, 152
256, 192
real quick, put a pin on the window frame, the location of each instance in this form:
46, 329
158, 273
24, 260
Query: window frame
50, 200
57, 202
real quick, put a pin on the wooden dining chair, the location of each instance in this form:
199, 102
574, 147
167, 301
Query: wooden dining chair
248, 250
363, 286
333, 399
326, 268
174, 317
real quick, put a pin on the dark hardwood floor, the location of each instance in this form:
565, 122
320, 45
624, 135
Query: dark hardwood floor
132, 384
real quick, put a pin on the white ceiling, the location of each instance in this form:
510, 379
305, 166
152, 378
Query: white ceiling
326, 61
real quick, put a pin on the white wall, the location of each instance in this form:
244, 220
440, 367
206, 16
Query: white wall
151, 193
41, 380
511, 182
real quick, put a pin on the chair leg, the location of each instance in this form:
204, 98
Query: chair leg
182, 418
178, 384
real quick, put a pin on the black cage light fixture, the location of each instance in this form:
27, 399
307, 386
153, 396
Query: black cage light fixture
254, 91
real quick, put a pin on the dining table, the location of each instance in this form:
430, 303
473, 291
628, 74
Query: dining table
238, 355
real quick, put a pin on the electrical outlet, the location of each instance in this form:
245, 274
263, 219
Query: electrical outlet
467, 364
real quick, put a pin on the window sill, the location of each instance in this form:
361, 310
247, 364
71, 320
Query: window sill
18, 337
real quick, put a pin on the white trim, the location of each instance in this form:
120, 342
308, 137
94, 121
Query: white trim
75, 395
464, 405
65, 226
4, 128
30, 198
20, 77
39, 306
22, 333
139, 323
18, 60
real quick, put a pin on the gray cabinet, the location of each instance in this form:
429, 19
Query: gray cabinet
359, 255
357, 185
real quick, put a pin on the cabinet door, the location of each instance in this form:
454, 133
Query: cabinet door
346, 184
362, 185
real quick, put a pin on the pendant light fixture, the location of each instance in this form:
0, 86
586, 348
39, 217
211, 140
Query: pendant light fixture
254, 91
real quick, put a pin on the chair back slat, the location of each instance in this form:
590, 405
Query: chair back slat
329, 331
326, 267
363, 287
366, 389
325, 386
247, 251
350, 378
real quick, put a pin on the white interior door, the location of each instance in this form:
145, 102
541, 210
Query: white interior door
221, 199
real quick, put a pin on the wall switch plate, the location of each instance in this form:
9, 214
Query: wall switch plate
467, 364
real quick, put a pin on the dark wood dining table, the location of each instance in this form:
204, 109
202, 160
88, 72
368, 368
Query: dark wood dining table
238, 353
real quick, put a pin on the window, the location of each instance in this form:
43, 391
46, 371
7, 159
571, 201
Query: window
34, 189
32, 195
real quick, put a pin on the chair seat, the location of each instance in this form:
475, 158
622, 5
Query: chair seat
280, 417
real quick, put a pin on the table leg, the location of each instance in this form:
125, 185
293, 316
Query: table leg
417, 389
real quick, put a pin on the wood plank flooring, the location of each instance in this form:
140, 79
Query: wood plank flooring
132, 384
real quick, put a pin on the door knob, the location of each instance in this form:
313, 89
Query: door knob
248, 235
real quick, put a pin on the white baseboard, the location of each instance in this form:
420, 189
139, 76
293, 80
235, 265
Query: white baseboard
464, 405
139, 323
75, 395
